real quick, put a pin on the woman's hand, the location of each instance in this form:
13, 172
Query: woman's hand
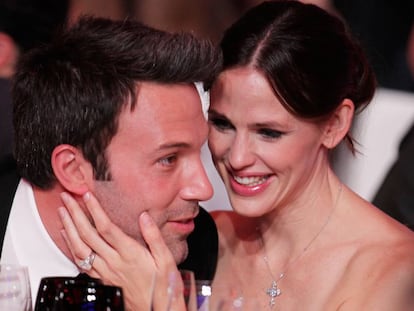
148, 275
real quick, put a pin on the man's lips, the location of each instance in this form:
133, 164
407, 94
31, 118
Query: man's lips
183, 225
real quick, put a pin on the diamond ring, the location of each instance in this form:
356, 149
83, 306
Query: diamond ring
86, 264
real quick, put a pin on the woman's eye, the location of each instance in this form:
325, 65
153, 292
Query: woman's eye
168, 161
269, 133
221, 124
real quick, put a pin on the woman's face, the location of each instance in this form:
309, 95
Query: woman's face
265, 155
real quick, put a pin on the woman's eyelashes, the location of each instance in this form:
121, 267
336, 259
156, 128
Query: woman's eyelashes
220, 123
269, 133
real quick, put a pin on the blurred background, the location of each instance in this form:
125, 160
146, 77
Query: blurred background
384, 27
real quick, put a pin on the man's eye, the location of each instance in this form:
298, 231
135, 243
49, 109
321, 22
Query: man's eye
269, 133
221, 124
168, 161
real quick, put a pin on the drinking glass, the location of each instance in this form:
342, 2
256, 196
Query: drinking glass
204, 291
225, 298
15, 292
238, 304
80, 293
190, 295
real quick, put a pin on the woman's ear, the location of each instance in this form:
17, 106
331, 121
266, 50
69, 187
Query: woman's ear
339, 124
72, 171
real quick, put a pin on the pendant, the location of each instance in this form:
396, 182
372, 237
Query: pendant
273, 292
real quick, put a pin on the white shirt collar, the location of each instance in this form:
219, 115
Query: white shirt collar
27, 242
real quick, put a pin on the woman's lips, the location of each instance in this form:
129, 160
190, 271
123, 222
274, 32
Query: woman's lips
249, 185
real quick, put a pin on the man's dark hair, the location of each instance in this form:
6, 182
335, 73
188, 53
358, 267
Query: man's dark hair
73, 90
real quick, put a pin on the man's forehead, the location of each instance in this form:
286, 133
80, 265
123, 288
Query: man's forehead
168, 103
155, 89
165, 116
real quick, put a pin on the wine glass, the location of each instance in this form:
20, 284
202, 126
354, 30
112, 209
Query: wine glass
190, 295
80, 293
48, 295
204, 291
15, 292
231, 298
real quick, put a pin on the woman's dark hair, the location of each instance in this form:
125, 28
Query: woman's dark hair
309, 57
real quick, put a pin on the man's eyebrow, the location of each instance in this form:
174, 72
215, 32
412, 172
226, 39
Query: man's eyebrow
173, 145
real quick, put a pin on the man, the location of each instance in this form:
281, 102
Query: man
109, 107
395, 196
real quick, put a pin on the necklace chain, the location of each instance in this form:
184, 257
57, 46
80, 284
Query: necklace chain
274, 291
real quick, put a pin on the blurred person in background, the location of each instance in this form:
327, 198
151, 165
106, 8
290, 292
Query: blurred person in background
112, 9
24, 24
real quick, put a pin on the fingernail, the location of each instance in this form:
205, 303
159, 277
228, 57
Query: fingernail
87, 196
65, 197
146, 219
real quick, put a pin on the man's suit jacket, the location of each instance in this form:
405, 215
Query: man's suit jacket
396, 194
6, 116
9, 180
202, 243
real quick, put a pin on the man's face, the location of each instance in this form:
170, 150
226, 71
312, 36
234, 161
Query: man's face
154, 160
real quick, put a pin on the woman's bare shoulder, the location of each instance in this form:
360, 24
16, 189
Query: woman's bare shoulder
381, 237
371, 226
379, 274
382, 277
382, 247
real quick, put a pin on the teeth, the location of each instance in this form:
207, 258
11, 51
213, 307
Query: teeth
250, 181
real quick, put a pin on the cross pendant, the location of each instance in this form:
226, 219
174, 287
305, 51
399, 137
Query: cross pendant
273, 292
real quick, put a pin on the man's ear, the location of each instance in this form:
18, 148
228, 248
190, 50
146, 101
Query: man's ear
8, 55
339, 124
71, 169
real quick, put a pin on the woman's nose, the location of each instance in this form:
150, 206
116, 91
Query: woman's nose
240, 153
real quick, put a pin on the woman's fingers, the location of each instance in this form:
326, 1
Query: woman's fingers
112, 234
81, 232
168, 286
79, 248
98, 263
152, 236
120, 259
74, 242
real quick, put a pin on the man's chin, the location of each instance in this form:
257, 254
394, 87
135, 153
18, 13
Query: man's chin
180, 252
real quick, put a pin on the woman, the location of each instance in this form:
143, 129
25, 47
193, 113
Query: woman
286, 97
298, 238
